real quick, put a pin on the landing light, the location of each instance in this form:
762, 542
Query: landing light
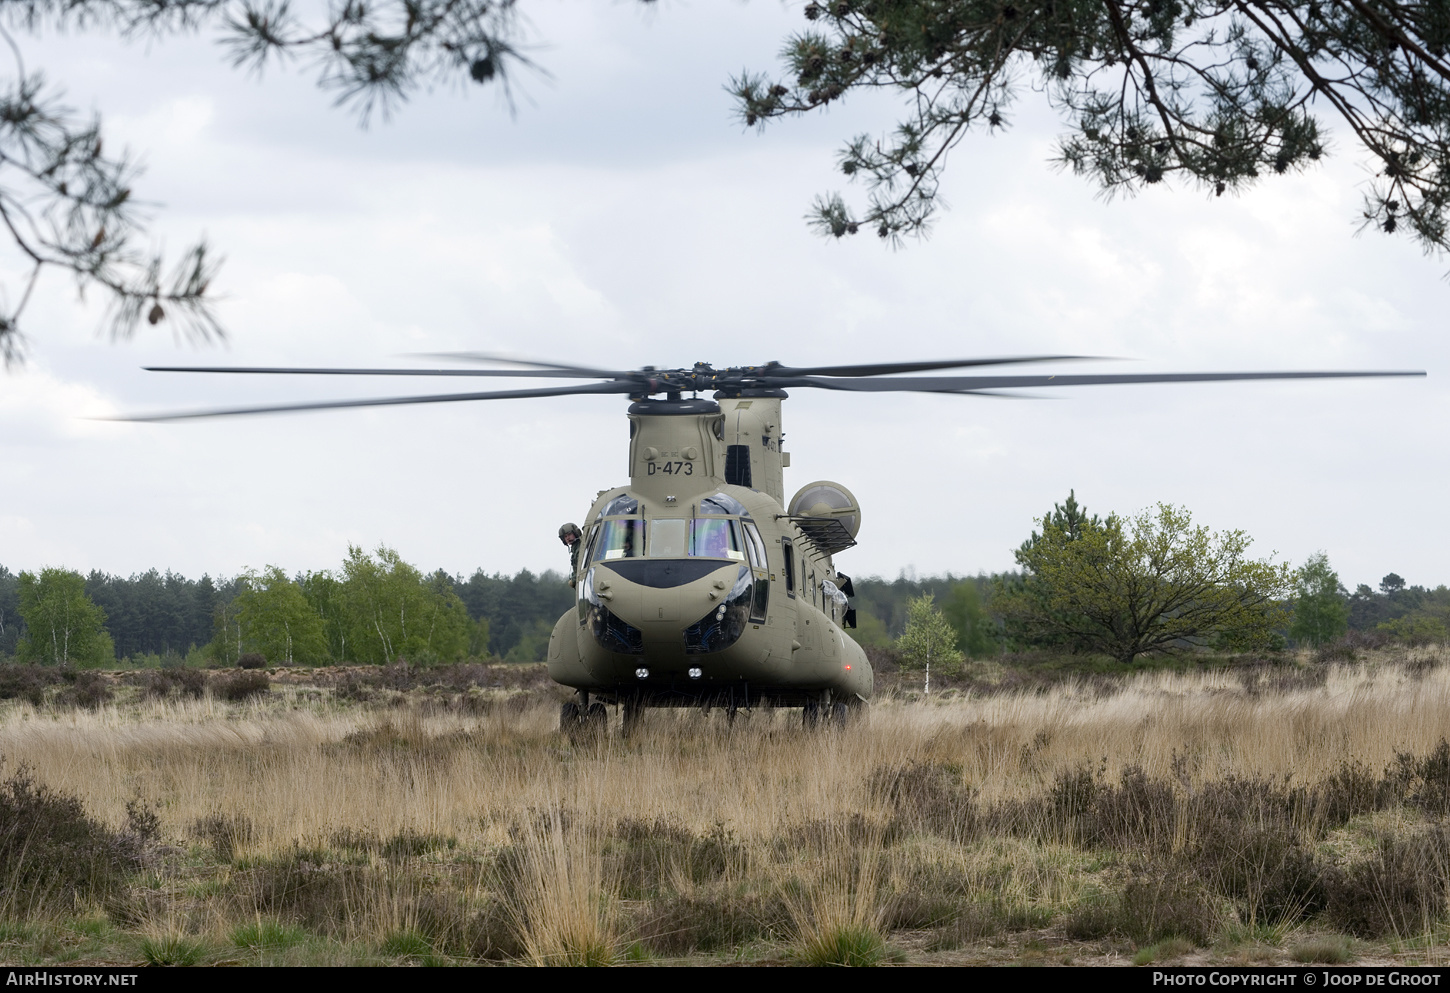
696, 672
641, 673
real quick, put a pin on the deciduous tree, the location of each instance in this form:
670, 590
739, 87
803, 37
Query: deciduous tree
1146, 584
928, 639
62, 625
1321, 604
396, 612
276, 620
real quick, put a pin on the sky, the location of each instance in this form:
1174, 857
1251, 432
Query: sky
620, 216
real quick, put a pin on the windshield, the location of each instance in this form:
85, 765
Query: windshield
703, 537
716, 538
667, 539
620, 540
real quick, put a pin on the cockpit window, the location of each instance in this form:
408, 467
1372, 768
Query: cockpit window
703, 537
716, 538
723, 504
620, 540
620, 506
667, 539
754, 545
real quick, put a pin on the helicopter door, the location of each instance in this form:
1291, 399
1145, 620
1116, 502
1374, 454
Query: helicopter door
758, 562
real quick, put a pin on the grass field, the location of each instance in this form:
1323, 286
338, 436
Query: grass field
1294, 812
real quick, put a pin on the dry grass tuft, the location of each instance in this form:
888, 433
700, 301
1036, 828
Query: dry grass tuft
564, 906
834, 899
1329, 951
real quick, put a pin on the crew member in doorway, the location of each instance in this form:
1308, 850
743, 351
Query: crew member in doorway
573, 540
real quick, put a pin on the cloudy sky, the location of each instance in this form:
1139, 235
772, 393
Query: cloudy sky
622, 217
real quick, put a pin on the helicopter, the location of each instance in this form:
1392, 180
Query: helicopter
699, 583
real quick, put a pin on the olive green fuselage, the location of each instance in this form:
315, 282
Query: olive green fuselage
691, 588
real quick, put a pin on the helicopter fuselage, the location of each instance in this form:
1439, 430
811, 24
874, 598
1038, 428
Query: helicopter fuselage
698, 584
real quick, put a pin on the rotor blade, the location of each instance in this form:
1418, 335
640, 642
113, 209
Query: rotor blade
998, 395
887, 368
556, 391
309, 371
968, 384
573, 370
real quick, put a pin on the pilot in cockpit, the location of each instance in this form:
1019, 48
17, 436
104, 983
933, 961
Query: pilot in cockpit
712, 539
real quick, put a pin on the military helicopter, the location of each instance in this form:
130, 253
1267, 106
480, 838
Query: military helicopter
699, 583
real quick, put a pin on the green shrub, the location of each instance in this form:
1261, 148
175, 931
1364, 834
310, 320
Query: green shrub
695, 923
1152, 909
84, 689
1401, 891
51, 852
26, 682
1094, 917
242, 685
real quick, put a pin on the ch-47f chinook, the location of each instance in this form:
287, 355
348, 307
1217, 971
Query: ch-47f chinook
699, 583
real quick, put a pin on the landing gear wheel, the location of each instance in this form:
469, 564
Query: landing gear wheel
633, 711
810, 714
840, 715
569, 717
596, 721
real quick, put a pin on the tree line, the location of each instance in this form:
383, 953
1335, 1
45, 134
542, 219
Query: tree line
374, 608
1120, 586
1129, 586
1142, 584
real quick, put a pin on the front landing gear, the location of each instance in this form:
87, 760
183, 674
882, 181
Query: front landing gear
633, 713
582, 721
833, 712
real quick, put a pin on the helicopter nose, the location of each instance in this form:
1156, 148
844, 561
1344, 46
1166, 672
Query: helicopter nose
657, 596
663, 574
